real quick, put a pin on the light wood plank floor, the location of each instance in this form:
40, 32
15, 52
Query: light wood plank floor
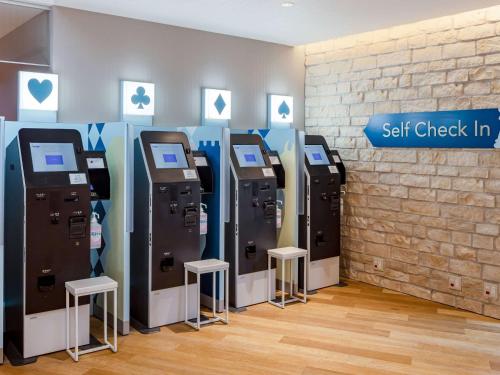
359, 329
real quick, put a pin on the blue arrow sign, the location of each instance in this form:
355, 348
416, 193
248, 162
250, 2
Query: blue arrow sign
448, 129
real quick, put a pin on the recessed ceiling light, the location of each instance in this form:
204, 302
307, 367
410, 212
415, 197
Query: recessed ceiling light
287, 4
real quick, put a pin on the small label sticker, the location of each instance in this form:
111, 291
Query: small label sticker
268, 172
333, 169
274, 160
77, 178
189, 174
200, 161
95, 163
336, 159
278, 218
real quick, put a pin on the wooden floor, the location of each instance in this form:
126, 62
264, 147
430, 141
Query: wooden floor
359, 329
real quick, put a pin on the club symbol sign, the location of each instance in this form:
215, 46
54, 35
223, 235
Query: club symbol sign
137, 98
280, 109
140, 98
38, 91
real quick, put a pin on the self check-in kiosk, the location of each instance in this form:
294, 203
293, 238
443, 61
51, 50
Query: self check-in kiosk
166, 229
47, 240
252, 227
319, 227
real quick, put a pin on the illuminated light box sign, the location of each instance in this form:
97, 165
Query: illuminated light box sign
216, 107
137, 102
279, 111
448, 129
38, 96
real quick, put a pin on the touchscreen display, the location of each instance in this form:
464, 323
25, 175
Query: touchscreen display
316, 155
53, 157
249, 156
169, 155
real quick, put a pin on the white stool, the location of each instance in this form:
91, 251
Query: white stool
284, 254
87, 287
207, 266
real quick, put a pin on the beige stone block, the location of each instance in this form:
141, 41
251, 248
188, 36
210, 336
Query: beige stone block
451, 104
343, 87
469, 305
451, 89
362, 85
461, 238
405, 80
398, 240
433, 25
443, 37
420, 105
431, 157
390, 284
414, 180
492, 310
396, 275
474, 172
488, 101
470, 213
489, 159
318, 70
421, 208
447, 196
421, 194
404, 255
386, 83
420, 280
403, 94
491, 273
482, 242
375, 96
477, 88
489, 257
416, 68
399, 155
433, 261
440, 182
421, 79
418, 270
484, 73
459, 50
416, 291
490, 45
352, 98
492, 186
434, 222
466, 253
439, 235
460, 225
373, 236
377, 250
394, 59
364, 63
469, 62
471, 18
425, 92
468, 184
447, 249
387, 107
459, 75
341, 66
363, 109
386, 203
446, 299
495, 87
427, 54
392, 71
466, 268
439, 65
399, 191
493, 14
488, 229
472, 287
476, 32
476, 199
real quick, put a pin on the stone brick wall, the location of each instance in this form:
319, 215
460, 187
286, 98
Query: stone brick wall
428, 213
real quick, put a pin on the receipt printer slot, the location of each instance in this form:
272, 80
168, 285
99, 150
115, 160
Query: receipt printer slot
46, 283
190, 216
77, 226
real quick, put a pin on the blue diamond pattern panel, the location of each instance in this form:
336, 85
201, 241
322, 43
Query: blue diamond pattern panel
220, 104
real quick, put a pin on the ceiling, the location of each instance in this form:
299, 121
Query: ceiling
12, 16
307, 21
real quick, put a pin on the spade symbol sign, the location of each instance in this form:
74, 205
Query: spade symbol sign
140, 98
284, 110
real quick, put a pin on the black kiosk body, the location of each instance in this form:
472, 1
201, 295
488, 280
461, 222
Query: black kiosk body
166, 229
47, 220
319, 227
252, 227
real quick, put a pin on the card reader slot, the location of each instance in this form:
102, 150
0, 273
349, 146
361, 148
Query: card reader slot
251, 251
46, 283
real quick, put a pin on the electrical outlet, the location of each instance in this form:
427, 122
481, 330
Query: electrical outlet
490, 290
455, 282
378, 264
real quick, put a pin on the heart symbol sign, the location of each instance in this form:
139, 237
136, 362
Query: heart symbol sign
40, 90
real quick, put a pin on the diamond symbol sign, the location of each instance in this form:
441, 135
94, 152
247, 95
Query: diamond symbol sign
216, 105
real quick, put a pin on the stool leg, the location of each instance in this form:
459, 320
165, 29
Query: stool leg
198, 300
76, 328
214, 294
283, 283
268, 278
67, 320
185, 295
226, 294
305, 278
115, 320
291, 278
105, 317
